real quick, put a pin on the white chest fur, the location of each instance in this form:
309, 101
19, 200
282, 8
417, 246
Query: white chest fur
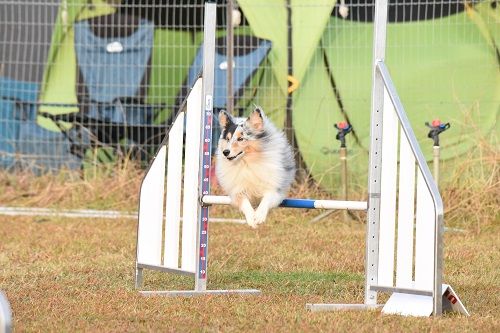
251, 179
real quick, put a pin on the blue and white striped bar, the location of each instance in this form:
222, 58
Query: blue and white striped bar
296, 203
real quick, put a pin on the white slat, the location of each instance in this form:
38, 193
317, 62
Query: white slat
173, 200
149, 239
406, 215
388, 193
424, 238
191, 178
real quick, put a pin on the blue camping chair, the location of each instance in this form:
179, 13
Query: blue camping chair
24, 144
15, 98
249, 54
113, 65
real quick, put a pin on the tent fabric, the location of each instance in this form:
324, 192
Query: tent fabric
268, 19
434, 81
433, 65
486, 16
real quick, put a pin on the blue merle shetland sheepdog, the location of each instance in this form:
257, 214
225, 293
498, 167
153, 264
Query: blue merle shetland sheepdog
255, 164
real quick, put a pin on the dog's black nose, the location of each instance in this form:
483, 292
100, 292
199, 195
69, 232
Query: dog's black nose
226, 152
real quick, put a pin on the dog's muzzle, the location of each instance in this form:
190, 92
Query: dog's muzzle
232, 157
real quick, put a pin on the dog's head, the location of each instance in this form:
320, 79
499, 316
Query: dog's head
241, 138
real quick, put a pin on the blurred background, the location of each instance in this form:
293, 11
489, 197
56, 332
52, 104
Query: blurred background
87, 84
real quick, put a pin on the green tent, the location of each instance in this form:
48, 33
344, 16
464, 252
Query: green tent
445, 64
446, 67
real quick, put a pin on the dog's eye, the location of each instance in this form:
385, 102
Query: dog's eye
240, 138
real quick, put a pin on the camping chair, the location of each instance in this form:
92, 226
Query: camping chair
113, 55
14, 98
24, 144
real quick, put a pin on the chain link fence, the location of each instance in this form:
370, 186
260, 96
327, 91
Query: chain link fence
90, 82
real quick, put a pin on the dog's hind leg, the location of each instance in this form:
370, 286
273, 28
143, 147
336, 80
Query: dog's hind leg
246, 208
269, 200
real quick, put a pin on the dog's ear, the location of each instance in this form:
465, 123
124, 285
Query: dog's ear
256, 119
224, 119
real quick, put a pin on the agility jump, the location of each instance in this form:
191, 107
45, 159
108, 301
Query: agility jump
401, 192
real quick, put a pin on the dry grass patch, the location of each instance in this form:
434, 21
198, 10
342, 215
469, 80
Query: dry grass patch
71, 274
66, 275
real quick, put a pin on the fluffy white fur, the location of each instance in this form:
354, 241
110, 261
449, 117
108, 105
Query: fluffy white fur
255, 164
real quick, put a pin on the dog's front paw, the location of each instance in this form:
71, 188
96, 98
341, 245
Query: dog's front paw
260, 215
252, 224
250, 218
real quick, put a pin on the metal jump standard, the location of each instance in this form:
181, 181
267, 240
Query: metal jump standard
406, 261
